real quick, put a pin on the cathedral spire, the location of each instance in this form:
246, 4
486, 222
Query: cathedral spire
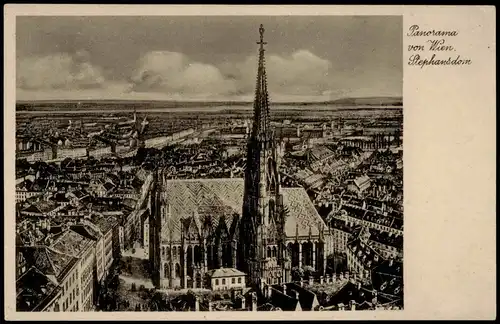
261, 103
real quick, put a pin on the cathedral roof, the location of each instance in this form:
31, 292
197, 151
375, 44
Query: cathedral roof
210, 200
302, 216
204, 200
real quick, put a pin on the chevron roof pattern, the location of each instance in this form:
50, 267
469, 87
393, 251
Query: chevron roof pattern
210, 200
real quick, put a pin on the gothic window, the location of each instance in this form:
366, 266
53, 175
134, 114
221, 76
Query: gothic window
189, 255
177, 270
197, 254
272, 208
271, 178
165, 270
268, 252
227, 257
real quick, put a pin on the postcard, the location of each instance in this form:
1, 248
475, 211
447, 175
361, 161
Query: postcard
190, 162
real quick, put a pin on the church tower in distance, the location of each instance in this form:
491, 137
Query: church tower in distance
262, 237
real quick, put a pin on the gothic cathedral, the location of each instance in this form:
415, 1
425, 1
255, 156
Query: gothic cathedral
262, 235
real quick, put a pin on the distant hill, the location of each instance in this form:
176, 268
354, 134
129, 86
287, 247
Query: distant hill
100, 104
370, 101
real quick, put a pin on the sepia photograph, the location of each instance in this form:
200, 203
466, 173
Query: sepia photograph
209, 163
187, 162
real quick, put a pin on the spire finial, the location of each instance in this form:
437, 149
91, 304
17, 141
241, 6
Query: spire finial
261, 32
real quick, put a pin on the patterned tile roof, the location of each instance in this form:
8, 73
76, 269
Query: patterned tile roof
301, 212
210, 199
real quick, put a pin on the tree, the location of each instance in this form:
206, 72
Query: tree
297, 273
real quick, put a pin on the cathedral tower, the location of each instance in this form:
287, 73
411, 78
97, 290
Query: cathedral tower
262, 224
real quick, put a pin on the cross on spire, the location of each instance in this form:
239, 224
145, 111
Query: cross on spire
261, 32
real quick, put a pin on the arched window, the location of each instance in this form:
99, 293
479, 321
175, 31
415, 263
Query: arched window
168, 252
177, 270
270, 170
272, 208
166, 272
268, 252
275, 252
197, 254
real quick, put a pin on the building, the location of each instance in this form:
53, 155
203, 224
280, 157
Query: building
360, 184
250, 224
84, 249
71, 152
99, 152
55, 274
226, 278
108, 226
36, 292
361, 257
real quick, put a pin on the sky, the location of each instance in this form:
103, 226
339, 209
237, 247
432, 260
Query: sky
207, 57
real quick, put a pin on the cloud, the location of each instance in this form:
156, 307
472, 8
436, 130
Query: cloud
174, 73
164, 75
302, 73
58, 71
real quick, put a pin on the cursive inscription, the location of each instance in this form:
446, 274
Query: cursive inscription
415, 31
439, 45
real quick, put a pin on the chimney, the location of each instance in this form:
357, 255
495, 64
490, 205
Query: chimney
284, 289
359, 285
269, 291
321, 280
353, 305
196, 304
334, 277
311, 280
347, 275
301, 282
327, 278
341, 276
210, 306
341, 306
391, 262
